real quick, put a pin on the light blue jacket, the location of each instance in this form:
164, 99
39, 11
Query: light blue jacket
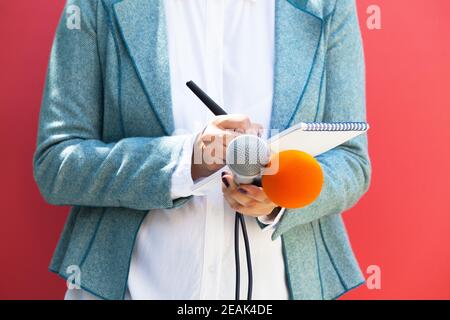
104, 144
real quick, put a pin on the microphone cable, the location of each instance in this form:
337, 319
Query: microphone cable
239, 219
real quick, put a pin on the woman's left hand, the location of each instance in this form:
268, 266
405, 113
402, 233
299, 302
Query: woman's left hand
246, 199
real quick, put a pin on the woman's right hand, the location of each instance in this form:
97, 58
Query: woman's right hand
208, 154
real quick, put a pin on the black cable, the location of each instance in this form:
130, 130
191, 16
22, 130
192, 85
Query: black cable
239, 218
248, 256
236, 255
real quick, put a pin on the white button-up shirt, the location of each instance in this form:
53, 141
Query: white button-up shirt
227, 48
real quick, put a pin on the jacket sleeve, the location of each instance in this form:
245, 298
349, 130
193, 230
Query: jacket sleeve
347, 167
72, 165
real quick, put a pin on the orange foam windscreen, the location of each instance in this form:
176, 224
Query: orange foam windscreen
296, 183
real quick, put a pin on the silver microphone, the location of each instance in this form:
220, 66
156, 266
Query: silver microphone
246, 156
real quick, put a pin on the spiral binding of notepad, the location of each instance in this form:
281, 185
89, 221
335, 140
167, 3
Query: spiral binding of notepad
335, 126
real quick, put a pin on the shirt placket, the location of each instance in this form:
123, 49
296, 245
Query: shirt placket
214, 28
214, 220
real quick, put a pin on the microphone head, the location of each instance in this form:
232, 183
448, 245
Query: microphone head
246, 156
296, 183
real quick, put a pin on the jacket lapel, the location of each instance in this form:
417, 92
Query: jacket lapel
298, 30
143, 28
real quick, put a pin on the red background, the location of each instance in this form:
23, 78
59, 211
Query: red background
401, 225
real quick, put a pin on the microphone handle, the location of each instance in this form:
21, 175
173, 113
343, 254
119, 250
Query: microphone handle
257, 182
241, 180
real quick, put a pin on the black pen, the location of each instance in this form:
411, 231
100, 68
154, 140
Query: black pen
214, 107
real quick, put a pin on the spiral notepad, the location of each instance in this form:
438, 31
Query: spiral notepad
311, 137
316, 138
334, 126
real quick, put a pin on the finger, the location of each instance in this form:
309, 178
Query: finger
230, 191
241, 197
236, 206
238, 192
229, 135
231, 184
234, 121
232, 196
254, 192
219, 134
254, 209
255, 129
216, 145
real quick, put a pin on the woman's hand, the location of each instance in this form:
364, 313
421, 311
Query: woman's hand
246, 199
210, 146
